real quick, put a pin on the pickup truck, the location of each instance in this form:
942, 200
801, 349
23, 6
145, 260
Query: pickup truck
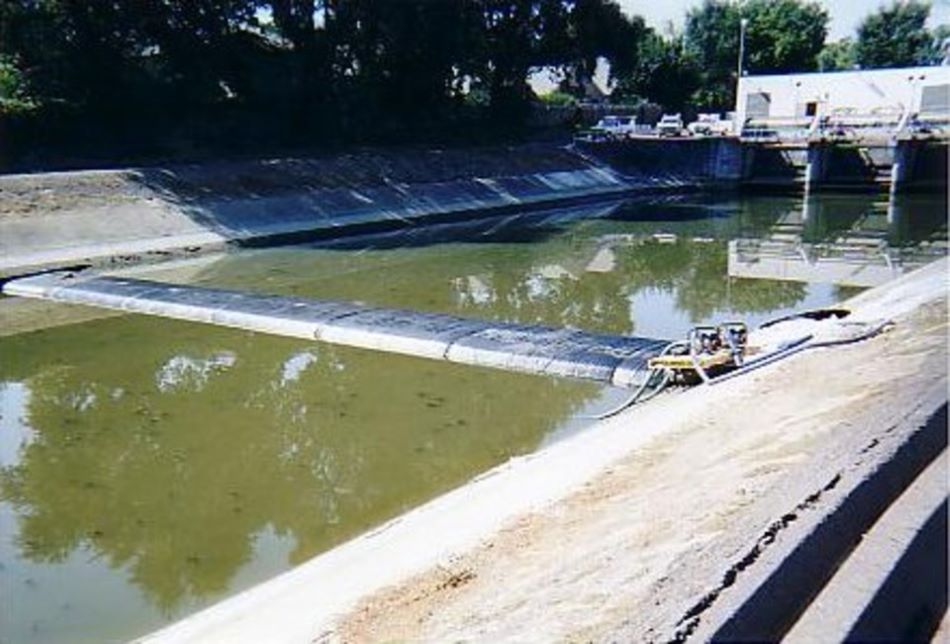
710, 125
617, 127
670, 125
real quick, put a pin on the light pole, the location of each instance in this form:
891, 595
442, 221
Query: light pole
743, 22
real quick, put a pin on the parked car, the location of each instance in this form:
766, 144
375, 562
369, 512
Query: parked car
710, 125
670, 125
617, 127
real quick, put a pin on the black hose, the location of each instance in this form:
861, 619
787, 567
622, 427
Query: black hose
803, 345
641, 395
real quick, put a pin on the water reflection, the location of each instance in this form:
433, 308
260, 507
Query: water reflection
169, 464
585, 275
15, 431
171, 482
862, 240
188, 372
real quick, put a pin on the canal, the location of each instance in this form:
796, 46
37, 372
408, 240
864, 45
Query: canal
150, 467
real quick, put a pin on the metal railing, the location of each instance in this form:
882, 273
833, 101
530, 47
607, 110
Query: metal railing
848, 125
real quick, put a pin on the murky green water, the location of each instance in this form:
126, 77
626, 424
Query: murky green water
150, 467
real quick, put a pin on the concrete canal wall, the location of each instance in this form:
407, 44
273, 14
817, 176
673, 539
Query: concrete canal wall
130, 215
72, 217
700, 161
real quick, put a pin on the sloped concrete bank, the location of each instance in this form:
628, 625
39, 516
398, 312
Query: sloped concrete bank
688, 518
61, 218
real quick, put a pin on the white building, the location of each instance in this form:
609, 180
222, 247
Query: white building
886, 95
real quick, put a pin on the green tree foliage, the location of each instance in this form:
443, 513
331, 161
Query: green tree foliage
782, 36
712, 36
940, 46
394, 64
294, 20
665, 73
597, 29
895, 36
14, 94
837, 55
159, 77
154, 76
558, 98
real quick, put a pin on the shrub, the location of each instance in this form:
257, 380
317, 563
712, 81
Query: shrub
14, 95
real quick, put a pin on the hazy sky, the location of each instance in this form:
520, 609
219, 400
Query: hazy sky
845, 14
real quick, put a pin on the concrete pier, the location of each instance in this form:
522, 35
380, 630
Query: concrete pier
526, 348
816, 167
902, 165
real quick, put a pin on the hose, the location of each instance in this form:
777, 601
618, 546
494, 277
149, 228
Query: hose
802, 345
641, 394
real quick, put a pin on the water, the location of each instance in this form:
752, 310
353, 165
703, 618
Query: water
151, 467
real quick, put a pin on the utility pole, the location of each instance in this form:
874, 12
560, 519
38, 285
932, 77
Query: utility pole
743, 22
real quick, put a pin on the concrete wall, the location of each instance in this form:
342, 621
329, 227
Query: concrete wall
65, 218
76, 217
864, 91
711, 162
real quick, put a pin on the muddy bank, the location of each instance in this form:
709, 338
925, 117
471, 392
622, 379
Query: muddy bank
654, 525
127, 215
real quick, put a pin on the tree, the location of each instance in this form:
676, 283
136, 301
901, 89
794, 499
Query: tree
126, 72
712, 38
895, 36
395, 64
665, 73
782, 36
294, 20
15, 97
940, 46
837, 55
597, 29
145, 77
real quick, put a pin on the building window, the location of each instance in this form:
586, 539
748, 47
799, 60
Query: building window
935, 99
811, 108
757, 104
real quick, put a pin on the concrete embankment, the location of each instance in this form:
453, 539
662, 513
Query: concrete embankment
130, 215
722, 512
56, 219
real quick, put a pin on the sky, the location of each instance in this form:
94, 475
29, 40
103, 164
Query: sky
844, 18
845, 14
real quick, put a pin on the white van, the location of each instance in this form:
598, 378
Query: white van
670, 125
